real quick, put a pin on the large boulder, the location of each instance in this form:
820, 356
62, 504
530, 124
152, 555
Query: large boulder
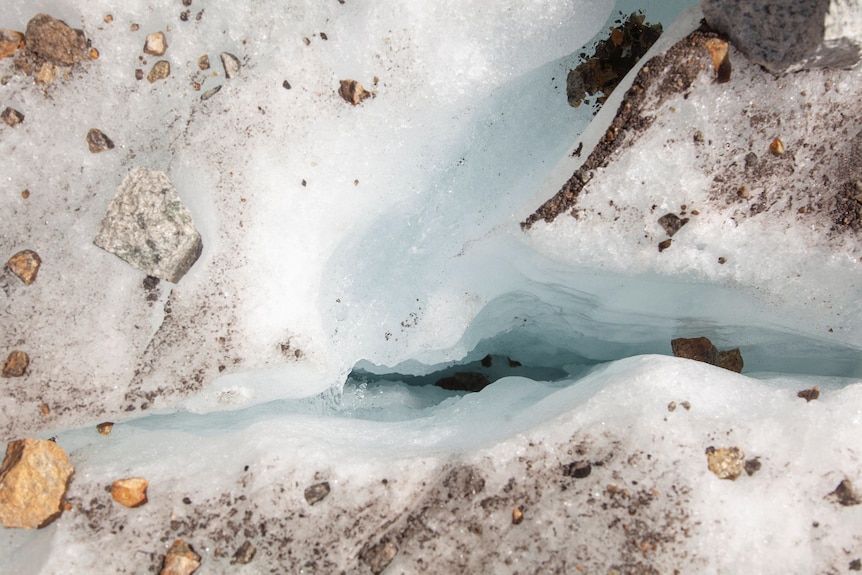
149, 227
791, 35
33, 481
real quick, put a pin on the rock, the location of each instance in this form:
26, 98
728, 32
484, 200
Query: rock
244, 554
10, 42
210, 93
105, 428
752, 466
148, 226
731, 360
11, 117
97, 141
577, 469
34, 477
464, 381
316, 492
379, 556
54, 41
159, 71
15, 365
25, 264
204, 62
855, 565
231, 65
47, 73
181, 559
845, 495
517, 516
776, 147
156, 44
131, 492
809, 394
725, 462
672, 223
720, 60
791, 35
352, 92
696, 348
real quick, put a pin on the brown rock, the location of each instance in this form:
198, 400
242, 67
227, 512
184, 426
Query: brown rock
730, 360
159, 71
845, 495
156, 44
131, 492
316, 492
231, 65
10, 42
517, 516
809, 394
696, 348
352, 92
54, 41
15, 365
11, 117
578, 469
244, 554
663, 245
379, 556
204, 62
720, 60
97, 141
34, 477
672, 223
25, 264
726, 462
777, 147
105, 428
181, 559
753, 465
48, 72
464, 381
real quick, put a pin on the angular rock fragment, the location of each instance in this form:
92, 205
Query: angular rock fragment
131, 492
352, 92
10, 42
54, 41
517, 516
47, 73
790, 35
204, 62
464, 381
159, 71
379, 556
752, 466
211, 92
672, 223
231, 65
15, 365
97, 141
316, 492
156, 44
809, 394
720, 60
845, 494
577, 469
11, 117
34, 477
725, 462
149, 227
696, 348
664, 244
105, 428
730, 360
25, 265
244, 554
180, 559
776, 147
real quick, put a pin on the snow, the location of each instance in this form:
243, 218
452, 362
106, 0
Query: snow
354, 254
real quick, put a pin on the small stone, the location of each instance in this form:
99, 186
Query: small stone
730, 360
696, 348
809, 394
105, 428
25, 264
698, 137
148, 226
181, 559
517, 516
671, 406
210, 93
47, 73
134, 27
845, 495
45, 409
776, 147
752, 466
10, 42
231, 65
131, 492
93, 53
316, 492
578, 469
286, 85
751, 160
25, 194
726, 462
139, 74
54, 41
204, 62
720, 60
672, 223
16, 364
722, 260
11, 117
108, 18
379, 556
34, 477
855, 565
663, 245
686, 405
156, 44
244, 554
352, 92
743, 193
97, 141
159, 71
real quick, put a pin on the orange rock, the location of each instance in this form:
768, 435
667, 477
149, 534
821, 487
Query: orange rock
181, 559
131, 492
776, 147
16, 364
34, 477
25, 264
105, 428
720, 60
352, 91
10, 42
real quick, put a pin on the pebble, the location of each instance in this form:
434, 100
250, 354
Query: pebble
11, 117
10, 42
809, 394
204, 62
97, 141
379, 556
244, 554
663, 245
725, 462
35, 474
160, 71
720, 60
352, 92
156, 44
54, 41
16, 364
845, 494
672, 223
210, 93
231, 65
517, 516
777, 147
180, 559
578, 469
316, 492
105, 428
25, 264
131, 492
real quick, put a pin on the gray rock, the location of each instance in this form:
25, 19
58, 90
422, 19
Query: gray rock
149, 227
791, 35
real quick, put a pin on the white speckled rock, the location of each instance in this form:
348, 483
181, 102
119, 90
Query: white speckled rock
791, 35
